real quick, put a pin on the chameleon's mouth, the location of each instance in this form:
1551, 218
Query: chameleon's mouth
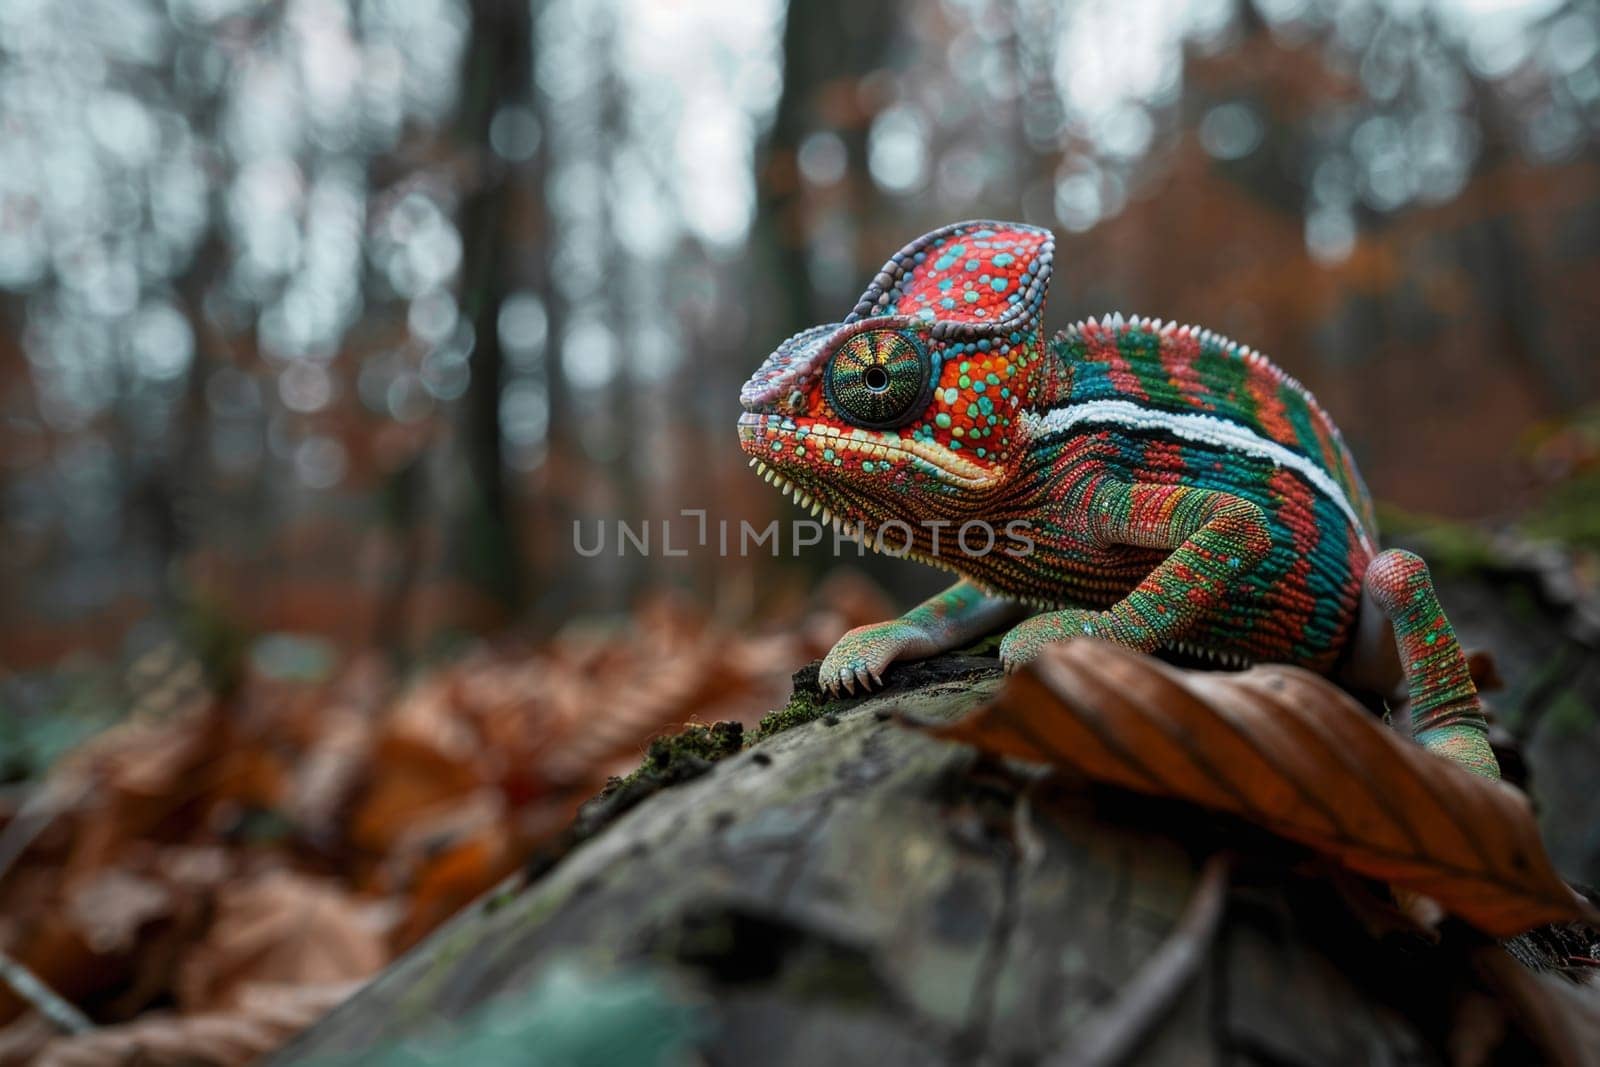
771, 439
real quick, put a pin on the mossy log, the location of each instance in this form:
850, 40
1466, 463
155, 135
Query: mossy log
845, 890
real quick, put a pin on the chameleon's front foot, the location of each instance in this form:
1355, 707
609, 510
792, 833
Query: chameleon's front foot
862, 655
1028, 637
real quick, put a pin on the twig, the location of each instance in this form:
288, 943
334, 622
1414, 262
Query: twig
1111, 1037
27, 985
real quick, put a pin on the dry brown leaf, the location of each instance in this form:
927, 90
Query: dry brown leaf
409, 777
266, 1017
1291, 752
110, 906
280, 927
452, 877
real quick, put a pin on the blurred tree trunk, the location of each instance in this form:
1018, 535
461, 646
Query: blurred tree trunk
631, 460
829, 46
553, 483
497, 69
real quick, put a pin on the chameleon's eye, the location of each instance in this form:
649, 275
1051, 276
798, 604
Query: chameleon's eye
879, 379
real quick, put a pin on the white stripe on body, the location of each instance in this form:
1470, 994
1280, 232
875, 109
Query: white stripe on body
1202, 429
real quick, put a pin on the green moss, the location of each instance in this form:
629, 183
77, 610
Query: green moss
679, 757
805, 704
670, 760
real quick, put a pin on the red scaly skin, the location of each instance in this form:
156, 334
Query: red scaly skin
1173, 490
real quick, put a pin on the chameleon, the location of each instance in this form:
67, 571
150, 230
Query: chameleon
1181, 493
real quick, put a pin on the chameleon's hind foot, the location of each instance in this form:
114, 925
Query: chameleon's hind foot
1446, 716
1028, 638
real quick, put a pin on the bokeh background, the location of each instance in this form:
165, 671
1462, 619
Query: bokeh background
337, 314
323, 321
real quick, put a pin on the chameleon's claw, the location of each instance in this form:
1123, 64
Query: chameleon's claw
858, 660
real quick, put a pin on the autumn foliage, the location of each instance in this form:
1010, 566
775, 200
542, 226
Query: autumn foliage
208, 879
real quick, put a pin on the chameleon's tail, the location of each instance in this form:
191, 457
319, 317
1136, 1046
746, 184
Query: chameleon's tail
1445, 714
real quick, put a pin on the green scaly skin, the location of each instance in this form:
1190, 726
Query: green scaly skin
1177, 491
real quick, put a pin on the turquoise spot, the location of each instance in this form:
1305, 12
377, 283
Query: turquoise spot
1004, 259
979, 386
943, 420
972, 264
951, 395
971, 297
945, 283
999, 285
947, 302
944, 262
956, 250
827, 453
965, 366
985, 405
777, 446
866, 465
964, 382
980, 453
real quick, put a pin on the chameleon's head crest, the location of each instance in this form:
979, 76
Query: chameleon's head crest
921, 387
